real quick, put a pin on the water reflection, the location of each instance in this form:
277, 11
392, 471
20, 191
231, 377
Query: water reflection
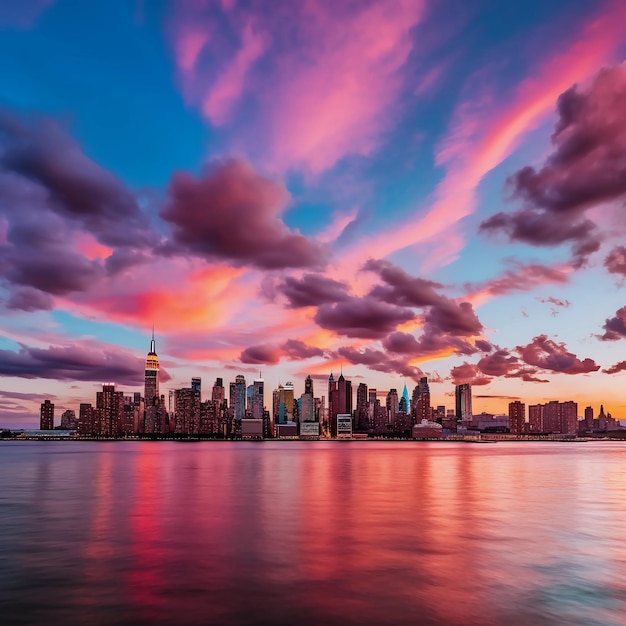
312, 533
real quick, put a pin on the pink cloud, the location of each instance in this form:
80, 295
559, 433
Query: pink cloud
330, 76
188, 48
228, 87
549, 355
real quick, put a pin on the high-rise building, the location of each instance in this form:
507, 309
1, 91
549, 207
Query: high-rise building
283, 404
340, 399
463, 397
589, 417
407, 400
517, 416
392, 405
109, 411
361, 418
568, 417
554, 417
535, 418
46, 415
308, 402
218, 392
422, 409
187, 410
86, 424
332, 400
308, 385
238, 397
372, 401
258, 399
403, 405
151, 382
68, 419
551, 417
286, 398
308, 408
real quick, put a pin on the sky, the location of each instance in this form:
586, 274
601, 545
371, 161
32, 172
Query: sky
391, 188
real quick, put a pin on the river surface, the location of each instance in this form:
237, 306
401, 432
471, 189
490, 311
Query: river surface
300, 533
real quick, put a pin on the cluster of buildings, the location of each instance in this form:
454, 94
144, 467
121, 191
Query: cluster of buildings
243, 413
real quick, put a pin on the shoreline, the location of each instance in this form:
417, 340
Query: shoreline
485, 439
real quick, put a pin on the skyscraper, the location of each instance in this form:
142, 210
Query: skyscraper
362, 422
392, 405
286, 397
187, 409
238, 397
517, 416
407, 400
109, 411
308, 385
151, 384
258, 399
218, 393
46, 415
463, 395
308, 402
340, 400
332, 400
535, 418
422, 410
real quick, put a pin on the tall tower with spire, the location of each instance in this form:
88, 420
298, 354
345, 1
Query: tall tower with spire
151, 388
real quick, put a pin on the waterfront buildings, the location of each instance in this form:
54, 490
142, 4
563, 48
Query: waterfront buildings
245, 415
517, 416
554, 417
46, 415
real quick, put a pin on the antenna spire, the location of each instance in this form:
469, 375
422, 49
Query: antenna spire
152, 342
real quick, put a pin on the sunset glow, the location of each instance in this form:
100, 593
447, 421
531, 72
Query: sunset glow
390, 188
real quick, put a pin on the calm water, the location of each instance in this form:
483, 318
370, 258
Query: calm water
313, 533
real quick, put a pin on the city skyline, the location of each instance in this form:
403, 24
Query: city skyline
377, 189
331, 414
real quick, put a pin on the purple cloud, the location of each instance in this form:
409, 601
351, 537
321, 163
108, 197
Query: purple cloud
615, 327
366, 317
548, 355
75, 187
615, 261
261, 354
614, 369
379, 361
523, 278
585, 169
233, 213
312, 290
295, 349
400, 288
468, 373
451, 318
87, 362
